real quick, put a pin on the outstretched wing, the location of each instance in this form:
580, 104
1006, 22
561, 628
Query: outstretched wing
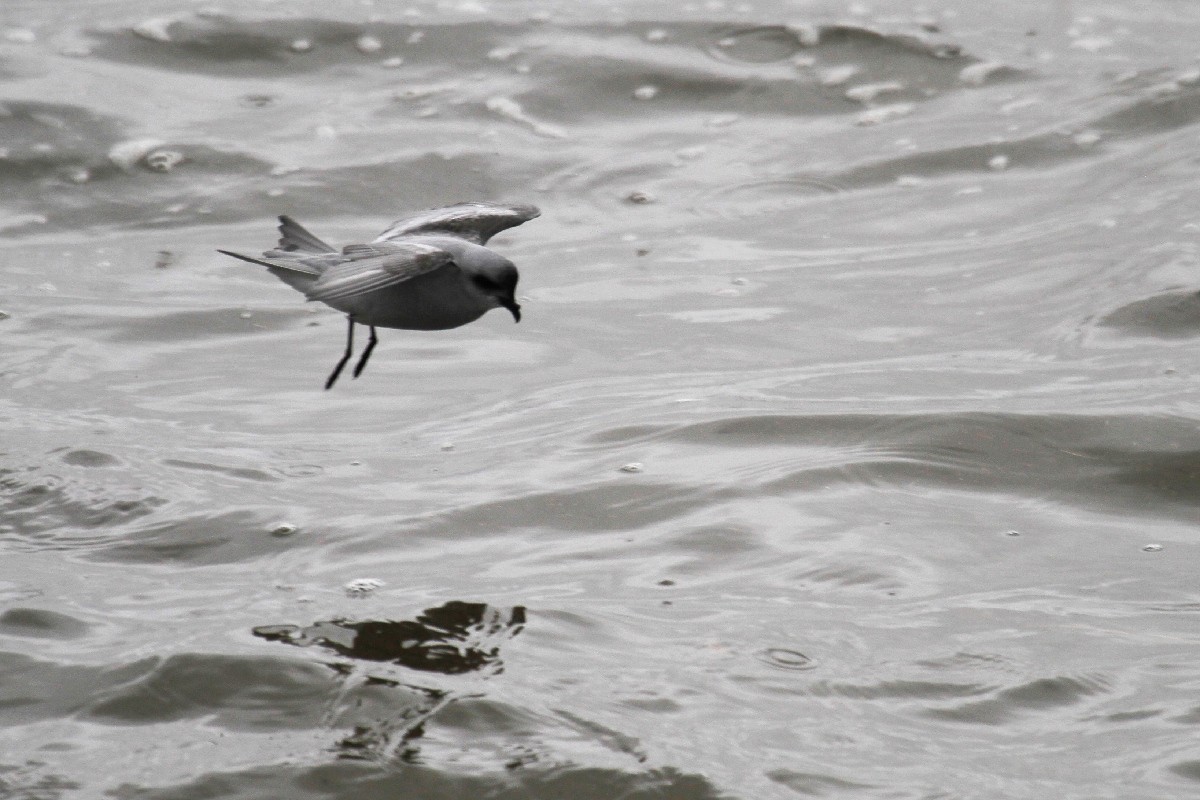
293, 236
363, 268
476, 222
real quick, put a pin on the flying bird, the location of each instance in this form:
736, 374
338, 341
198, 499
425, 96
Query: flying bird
428, 272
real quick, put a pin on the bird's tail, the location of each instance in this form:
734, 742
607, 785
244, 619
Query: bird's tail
293, 236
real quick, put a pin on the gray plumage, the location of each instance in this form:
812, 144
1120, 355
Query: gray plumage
429, 271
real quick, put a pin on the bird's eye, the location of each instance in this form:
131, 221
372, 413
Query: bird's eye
484, 282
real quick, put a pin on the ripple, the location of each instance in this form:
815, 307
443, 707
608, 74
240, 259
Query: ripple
1146, 465
782, 658
231, 692
1039, 695
1171, 315
41, 623
48, 511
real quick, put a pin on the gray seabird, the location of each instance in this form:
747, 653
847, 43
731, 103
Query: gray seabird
426, 272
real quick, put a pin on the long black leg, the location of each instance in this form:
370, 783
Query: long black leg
333, 376
362, 361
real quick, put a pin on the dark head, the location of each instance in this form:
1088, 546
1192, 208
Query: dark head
498, 280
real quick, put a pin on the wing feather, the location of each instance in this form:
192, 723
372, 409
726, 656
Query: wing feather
476, 222
369, 268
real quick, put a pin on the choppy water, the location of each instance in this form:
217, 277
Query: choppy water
849, 447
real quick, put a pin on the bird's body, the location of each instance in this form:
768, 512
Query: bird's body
430, 271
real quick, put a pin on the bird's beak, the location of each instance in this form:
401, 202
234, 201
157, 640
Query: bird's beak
512, 306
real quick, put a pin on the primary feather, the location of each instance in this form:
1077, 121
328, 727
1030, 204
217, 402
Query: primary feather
476, 222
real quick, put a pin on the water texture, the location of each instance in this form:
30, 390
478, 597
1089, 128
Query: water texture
849, 445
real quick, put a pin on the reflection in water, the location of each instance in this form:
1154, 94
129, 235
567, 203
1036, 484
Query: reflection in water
451, 639
455, 638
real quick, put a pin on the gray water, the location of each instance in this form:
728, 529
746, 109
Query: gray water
848, 447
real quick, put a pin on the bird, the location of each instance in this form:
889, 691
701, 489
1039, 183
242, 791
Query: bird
427, 271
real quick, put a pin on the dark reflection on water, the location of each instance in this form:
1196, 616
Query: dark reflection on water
388, 713
452, 639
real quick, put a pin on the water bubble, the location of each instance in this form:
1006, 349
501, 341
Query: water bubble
245, 315
1012, 533
783, 658
127, 154
1152, 548
284, 529
666, 582
416, 37
1086, 138
164, 259
4, 315
164, 160
361, 587
80, 175
740, 281
998, 163
300, 45
393, 62
645, 92
368, 44
639, 198
447, 447
656, 35
633, 466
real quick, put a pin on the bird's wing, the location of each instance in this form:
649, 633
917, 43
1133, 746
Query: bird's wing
293, 236
476, 222
369, 267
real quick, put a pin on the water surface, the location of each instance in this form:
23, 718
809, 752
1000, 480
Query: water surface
848, 446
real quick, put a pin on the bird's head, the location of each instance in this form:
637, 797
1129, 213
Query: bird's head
498, 281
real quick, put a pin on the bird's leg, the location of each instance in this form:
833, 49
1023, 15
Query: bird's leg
362, 361
333, 376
